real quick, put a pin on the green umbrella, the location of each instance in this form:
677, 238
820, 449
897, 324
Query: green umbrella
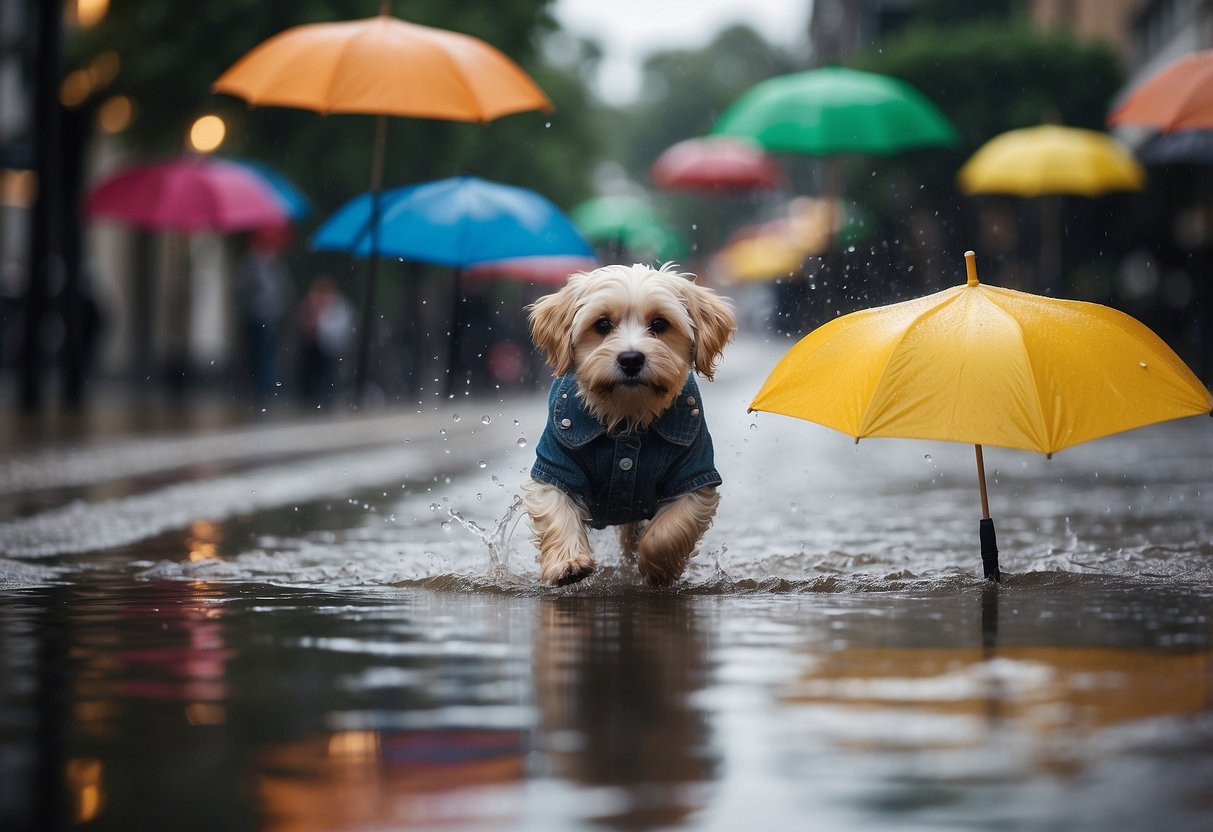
828, 111
628, 222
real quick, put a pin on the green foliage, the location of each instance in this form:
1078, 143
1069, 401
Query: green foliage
170, 58
993, 77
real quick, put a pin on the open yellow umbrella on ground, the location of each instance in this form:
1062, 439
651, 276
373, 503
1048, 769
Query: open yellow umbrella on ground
1050, 161
987, 366
386, 67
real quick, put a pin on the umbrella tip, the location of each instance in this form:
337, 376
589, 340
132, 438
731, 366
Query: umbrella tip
971, 267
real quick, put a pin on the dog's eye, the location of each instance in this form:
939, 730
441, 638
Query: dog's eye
603, 326
658, 325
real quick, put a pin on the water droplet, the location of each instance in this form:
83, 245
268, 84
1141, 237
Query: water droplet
455, 417
434, 506
484, 420
521, 442
482, 464
1141, 364
927, 457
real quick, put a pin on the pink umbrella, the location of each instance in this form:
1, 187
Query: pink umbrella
188, 194
716, 164
547, 271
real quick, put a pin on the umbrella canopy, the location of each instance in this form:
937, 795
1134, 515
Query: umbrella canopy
987, 366
1177, 97
716, 164
834, 110
383, 66
456, 222
297, 206
188, 194
1051, 159
629, 222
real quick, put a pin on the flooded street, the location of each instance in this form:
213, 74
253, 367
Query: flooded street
338, 626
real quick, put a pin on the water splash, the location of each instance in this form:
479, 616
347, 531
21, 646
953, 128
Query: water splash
497, 539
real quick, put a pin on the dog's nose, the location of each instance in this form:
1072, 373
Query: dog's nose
630, 362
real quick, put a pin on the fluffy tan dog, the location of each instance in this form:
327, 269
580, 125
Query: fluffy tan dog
625, 442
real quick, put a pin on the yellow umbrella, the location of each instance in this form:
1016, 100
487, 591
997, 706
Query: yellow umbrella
386, 67
1051, 159
988, 366
1048, 161
777, 248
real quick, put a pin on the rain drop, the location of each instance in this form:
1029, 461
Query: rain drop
455, 417
484, 420
521, 442
927, 457
482, 464
1141, 364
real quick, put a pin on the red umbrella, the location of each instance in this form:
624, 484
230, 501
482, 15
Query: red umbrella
715, 164
188, 194
1177, 97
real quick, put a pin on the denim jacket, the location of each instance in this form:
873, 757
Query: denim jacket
623, 476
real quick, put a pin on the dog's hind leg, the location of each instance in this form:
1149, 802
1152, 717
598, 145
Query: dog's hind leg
670, 538
558, 524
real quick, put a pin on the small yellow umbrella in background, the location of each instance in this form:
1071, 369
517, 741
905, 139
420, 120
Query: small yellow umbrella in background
1050, 161
777, 248
987, 366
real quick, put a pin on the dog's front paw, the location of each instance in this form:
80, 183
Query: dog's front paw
570, 570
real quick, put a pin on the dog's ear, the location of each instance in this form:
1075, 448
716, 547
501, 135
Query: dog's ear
714, 323
551, 320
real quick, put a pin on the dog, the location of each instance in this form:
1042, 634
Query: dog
625, 443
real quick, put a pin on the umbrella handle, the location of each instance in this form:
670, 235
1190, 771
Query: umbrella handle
985, 530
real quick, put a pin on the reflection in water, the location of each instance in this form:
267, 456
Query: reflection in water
350, 780
615, 680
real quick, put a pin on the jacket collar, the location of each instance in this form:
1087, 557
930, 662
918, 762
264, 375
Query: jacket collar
678, 424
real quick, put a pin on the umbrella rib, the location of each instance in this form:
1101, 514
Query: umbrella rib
1040, 406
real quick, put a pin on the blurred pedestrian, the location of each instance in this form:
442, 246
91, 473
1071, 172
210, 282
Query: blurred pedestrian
263, 287
325, 322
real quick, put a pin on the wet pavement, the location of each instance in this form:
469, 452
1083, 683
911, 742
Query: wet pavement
335, 624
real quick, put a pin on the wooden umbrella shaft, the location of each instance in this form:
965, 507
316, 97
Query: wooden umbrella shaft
981, 483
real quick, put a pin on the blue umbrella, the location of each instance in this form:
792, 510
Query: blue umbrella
298, 207
459, 222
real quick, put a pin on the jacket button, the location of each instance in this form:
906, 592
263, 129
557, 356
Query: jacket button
690, 400
625, 464
695, 412
566, 423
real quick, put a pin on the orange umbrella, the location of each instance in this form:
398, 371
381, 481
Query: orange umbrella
386, 67
383, 66
1178, 97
